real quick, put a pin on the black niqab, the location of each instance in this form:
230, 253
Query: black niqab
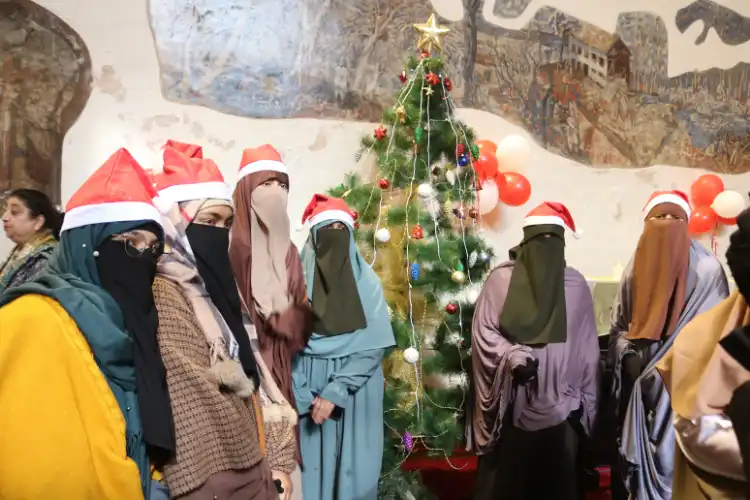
210, 246
335, 298
738, 254
534, 311
129, 280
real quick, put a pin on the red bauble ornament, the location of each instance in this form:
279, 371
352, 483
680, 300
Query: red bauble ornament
380, 133
474, 213
702, 220
460, 148
516, 190
384, 183
447, 84
451, 308
705, 189
355, 215
403, 76
417, 232
425, 54
432, 78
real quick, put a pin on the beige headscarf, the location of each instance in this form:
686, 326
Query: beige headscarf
270, 239
700, 375
178, 265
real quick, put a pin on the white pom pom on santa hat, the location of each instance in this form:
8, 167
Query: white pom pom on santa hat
550, 212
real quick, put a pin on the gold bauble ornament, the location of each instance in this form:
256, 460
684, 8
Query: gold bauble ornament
458, 277
401, 114
430, 34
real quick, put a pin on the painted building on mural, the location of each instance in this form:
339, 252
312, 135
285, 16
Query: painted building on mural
597, 54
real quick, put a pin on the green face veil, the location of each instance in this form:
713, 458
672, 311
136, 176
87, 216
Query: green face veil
335, 298
534, 312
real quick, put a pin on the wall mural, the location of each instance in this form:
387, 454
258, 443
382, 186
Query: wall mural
45, 81
599, 98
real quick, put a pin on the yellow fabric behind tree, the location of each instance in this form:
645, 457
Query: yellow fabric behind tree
62, 434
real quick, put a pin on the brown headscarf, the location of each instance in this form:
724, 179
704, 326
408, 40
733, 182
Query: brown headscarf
660, 273
269, 274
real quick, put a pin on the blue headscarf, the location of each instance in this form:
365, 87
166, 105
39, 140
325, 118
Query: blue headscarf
378, 334
73, 281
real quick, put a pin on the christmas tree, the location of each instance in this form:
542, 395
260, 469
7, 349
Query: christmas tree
418, 227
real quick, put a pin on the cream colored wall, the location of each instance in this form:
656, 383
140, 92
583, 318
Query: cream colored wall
126, 109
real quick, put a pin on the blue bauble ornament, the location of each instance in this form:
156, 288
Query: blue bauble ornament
463, 160
414, 270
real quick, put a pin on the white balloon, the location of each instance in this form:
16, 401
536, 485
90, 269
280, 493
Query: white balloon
411, 355
487, 197
513, 153
728, 204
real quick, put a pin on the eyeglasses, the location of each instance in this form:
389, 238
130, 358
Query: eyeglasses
136, 245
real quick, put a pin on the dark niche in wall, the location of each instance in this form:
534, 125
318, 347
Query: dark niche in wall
45, 81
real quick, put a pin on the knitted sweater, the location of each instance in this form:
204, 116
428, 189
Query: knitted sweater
216, 431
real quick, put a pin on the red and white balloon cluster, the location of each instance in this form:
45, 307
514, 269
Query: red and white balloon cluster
497, 170
713, 205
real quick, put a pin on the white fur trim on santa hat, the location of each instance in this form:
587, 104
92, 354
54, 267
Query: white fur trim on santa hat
197, 191
538, 220
262, 166
120, 211
668, 198
162, 204
332, 215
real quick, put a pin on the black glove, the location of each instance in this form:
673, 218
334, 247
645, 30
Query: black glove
524, 373
632, 366
738, 254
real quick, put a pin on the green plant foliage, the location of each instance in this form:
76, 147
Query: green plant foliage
421, 146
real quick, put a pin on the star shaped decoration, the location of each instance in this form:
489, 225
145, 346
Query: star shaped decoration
430, 34
428, 90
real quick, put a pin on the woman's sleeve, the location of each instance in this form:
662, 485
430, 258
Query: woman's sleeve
353, 375
302, 394
281, 446
61, 431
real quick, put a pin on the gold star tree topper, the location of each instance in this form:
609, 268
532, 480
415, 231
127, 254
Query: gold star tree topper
430, 34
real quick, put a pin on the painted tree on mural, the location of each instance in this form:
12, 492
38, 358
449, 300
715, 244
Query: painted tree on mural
417, 221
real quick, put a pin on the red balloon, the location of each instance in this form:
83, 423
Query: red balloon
702, 220
485, 166
705, 189
485, 145
516, 190
727, 221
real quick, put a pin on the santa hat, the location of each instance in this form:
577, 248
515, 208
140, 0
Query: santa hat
262, 158
324, 208
670, 196
550, 212
185, 179
190, 150
118, 191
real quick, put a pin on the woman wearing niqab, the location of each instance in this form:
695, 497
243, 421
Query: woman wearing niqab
338, 377
212, 374
267, 266
669, 281
85, 411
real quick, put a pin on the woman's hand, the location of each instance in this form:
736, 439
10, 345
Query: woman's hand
286, 484
321, 410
